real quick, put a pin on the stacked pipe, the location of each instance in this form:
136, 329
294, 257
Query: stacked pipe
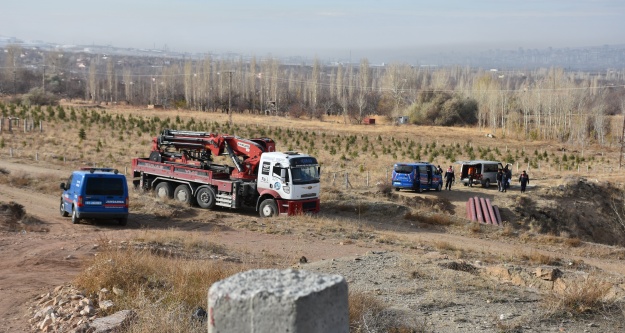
483, 211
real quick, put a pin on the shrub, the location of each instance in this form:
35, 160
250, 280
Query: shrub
586, 296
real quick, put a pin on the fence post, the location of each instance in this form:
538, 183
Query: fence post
36, 156
271, 300
367, 178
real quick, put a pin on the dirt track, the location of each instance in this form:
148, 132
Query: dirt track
33, 263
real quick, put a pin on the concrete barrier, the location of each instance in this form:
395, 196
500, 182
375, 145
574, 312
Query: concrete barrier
270, 300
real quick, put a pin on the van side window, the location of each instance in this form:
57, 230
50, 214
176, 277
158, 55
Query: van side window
490, 168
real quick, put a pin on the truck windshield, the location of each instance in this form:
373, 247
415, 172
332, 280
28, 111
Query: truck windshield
305, 175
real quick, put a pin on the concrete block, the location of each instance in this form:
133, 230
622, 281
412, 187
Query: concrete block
270, 300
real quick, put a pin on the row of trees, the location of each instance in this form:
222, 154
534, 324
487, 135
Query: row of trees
538, 104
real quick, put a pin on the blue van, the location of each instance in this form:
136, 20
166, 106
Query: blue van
95, 193
417, 176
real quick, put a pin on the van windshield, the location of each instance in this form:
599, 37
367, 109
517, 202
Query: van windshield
403, 168
104, 186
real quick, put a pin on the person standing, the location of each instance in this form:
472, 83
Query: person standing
508, 172
524, 179
471, 173
499, 183
504, 180
449, 178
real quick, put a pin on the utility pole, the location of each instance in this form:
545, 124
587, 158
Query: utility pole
620, 159
230, 97
43, 79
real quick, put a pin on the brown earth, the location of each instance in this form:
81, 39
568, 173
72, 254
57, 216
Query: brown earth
408, 264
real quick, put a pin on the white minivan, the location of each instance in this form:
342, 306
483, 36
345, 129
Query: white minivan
485, 172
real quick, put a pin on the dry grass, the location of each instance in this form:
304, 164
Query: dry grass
163, 290
430, 219
587, 296
539, 258
368, 314
146, 203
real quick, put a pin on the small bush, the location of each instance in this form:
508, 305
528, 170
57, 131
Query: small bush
367, 314
579, 297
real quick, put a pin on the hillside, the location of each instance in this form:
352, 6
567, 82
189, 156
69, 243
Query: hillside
414, 260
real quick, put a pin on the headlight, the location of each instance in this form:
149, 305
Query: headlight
286, 189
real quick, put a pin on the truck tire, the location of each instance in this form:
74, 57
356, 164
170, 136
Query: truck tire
205, 198
75, 218
163, 190
268, 208
62, 209
183, 194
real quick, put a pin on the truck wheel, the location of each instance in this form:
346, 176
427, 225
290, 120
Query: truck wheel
163, 190
268, 208
63, 212
486, 183
182, 193
205, 198
75, 218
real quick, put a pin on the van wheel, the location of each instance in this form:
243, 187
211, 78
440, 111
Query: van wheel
182, 193
75, 218
206, 198
63, 212
123, 221
163, 190
486, 183
420, 189
439, 187
268, 208
397, 189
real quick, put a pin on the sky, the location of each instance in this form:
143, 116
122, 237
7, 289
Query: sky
320, 28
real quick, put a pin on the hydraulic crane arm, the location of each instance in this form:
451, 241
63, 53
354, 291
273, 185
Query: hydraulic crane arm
196, 148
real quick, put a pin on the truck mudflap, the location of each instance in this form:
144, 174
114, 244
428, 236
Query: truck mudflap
291, 207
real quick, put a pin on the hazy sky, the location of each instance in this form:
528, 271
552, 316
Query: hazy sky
317, 28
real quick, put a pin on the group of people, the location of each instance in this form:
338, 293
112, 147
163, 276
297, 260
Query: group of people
504, 178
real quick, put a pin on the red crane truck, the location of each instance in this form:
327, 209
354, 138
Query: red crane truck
180, 166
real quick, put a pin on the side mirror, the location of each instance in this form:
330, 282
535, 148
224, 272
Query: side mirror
319, 171
62, 186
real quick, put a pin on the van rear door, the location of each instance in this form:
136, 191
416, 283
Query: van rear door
105, 194
403, 175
